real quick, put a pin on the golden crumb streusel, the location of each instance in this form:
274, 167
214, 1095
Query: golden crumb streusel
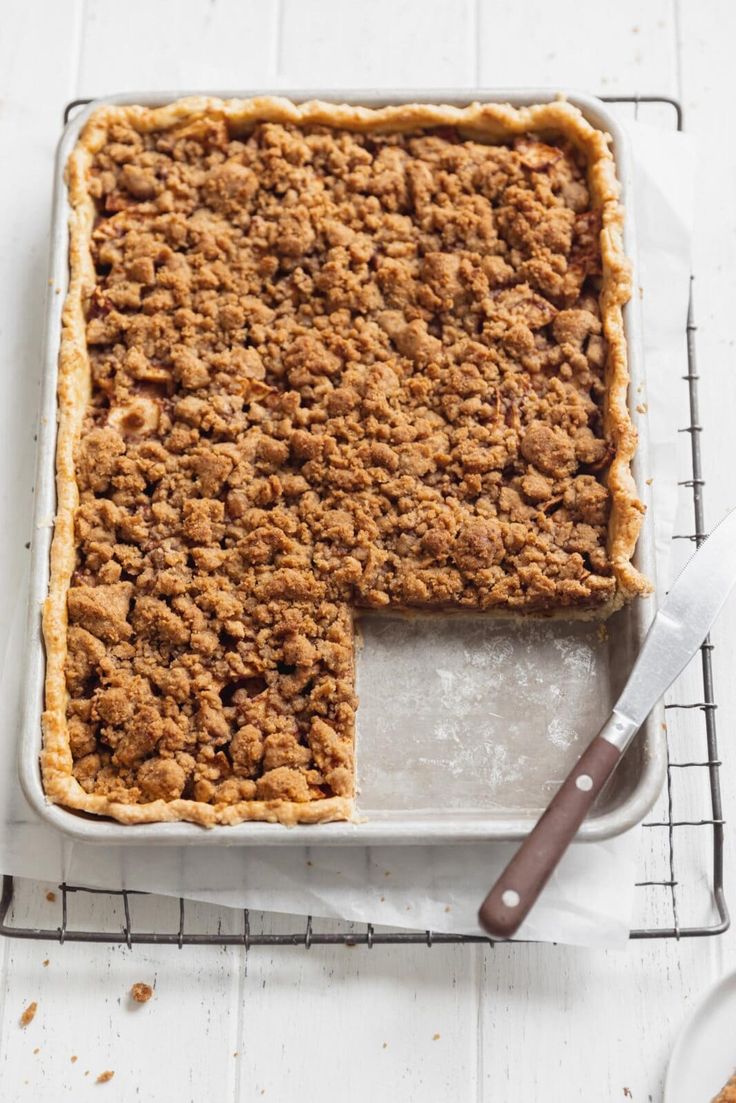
330, 370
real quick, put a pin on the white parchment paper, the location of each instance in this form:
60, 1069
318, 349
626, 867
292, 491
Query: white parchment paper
589, 900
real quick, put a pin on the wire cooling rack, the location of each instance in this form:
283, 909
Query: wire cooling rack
671, 891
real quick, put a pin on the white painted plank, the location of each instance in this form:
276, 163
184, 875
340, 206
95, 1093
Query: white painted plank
38, 61
174, 46
363, 1008
579, 1025
596, 47
707, 34
179, 1046
33, 95
384, 44
359, 1024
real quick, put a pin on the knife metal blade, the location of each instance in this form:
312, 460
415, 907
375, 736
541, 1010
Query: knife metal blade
680, 625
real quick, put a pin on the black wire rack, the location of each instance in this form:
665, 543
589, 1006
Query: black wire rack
700, 755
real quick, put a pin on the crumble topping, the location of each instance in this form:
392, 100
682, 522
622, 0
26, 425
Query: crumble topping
329, 370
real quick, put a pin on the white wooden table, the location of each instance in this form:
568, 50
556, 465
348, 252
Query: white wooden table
512, 1025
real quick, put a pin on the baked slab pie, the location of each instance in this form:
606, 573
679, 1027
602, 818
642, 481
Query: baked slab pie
315, 359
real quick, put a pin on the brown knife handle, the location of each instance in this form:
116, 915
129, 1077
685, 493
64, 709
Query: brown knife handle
516, 890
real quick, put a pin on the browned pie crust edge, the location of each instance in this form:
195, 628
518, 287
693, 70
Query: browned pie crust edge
496, 121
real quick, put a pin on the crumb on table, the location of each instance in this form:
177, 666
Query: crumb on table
727, 1093
29, 1014
141, 993
105, 1076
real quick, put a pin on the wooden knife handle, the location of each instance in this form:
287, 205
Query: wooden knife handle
516, 890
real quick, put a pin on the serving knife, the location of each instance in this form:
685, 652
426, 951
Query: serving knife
680, 625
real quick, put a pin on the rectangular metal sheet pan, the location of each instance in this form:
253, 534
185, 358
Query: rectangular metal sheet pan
466, 724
